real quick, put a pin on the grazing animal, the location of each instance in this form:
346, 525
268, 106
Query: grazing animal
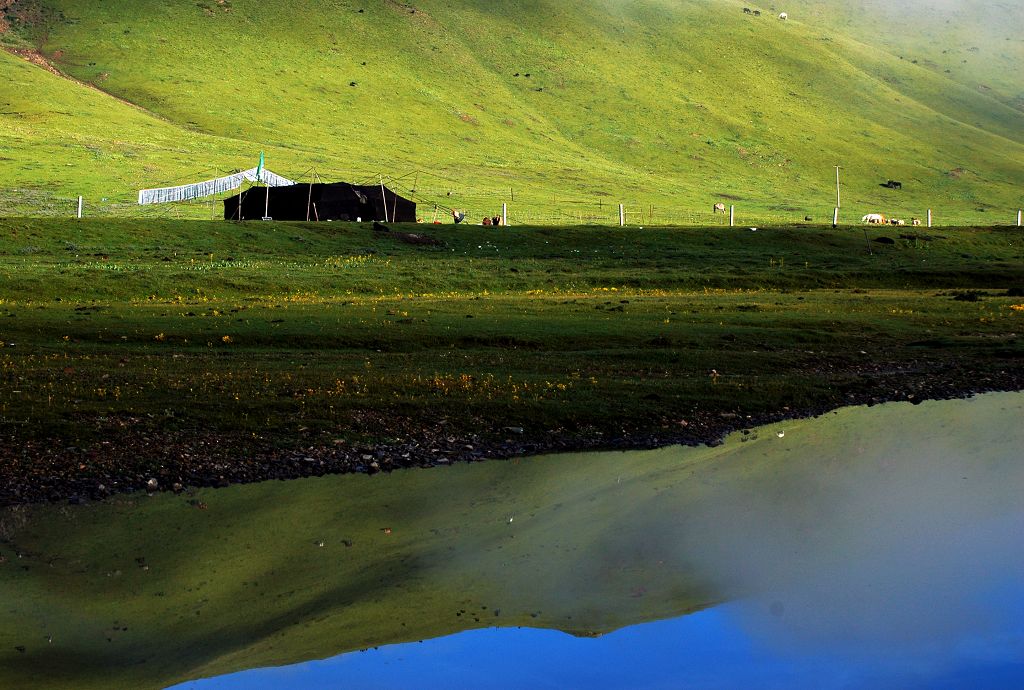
873, 219
747, 10
757, 13
783, 16
718, 207
915, 221
808, 218
897, 221
893, 184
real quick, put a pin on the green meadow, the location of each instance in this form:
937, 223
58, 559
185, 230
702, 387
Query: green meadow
292, 332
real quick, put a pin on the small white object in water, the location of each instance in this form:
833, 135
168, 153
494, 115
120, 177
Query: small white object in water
781, 434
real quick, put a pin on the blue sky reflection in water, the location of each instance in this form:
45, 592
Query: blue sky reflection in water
711, 649
879, 564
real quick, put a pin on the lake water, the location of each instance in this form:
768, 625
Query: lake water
730, 646
873, 547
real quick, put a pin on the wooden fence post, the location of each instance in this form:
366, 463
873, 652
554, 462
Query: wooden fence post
929, 218
835, 218
622, 216
732, 215
79, 207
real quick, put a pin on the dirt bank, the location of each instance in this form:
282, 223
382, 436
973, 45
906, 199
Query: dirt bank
137, 457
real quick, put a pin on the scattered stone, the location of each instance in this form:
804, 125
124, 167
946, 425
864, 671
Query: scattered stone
95, 470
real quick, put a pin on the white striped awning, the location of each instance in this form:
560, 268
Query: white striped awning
210, 187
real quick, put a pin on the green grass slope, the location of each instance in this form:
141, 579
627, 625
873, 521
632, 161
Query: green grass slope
560, 110
972, 42
62, 136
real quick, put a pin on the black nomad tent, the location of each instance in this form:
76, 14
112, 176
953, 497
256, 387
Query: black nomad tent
320, 201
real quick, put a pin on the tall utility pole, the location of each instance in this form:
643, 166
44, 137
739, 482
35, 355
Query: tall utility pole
838, 205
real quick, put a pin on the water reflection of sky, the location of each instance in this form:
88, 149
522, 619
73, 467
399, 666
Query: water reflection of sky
891, 558
731, 646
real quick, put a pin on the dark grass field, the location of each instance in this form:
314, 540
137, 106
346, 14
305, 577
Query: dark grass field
211, 353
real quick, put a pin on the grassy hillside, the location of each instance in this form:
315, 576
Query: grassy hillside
973, 43
560, 110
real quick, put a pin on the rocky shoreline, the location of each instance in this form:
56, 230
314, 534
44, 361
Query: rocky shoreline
138, 459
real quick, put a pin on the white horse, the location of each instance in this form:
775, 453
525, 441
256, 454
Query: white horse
873, 219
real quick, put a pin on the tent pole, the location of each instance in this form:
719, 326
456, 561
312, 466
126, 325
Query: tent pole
266, 206
383, 198
241, 198
309, 202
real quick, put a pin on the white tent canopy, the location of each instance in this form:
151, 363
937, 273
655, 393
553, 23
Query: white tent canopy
210, 187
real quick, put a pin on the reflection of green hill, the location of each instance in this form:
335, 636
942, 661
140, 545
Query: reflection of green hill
671, 104
244, 583
143, 592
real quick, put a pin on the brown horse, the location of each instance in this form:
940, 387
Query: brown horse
718, 207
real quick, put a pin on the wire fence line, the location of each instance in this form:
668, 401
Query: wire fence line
477, 204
